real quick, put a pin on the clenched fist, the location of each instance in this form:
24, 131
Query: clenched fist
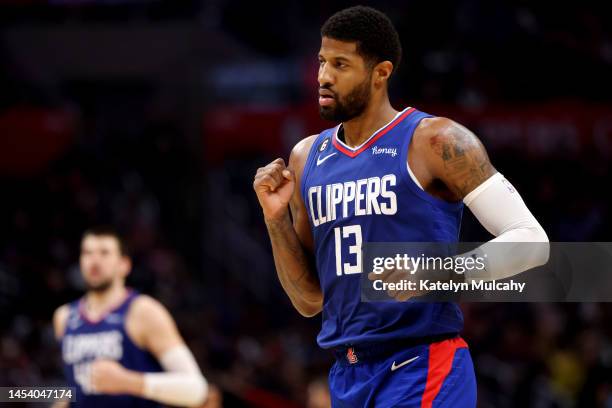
274, 185
110, 377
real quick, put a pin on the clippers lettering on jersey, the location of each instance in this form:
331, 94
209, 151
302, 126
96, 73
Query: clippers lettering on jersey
78, 347
367, 196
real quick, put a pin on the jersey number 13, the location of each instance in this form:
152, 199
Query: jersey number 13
347, 234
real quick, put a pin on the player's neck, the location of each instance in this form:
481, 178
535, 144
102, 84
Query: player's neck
98, 303
376, 115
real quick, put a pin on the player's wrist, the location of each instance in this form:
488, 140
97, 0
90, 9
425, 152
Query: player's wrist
278, 218
133, 383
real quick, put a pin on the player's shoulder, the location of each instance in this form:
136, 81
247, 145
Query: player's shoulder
299, 153
303, 147
62, 311
434, 126
145, 313
145, 305
60, 316
147, 317
433, 132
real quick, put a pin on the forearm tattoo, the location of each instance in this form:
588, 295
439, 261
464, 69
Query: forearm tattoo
300, 276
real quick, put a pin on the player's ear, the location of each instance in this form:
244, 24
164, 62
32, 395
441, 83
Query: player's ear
126, 265
382, 72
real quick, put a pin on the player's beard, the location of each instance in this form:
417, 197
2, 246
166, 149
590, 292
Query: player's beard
99, 287
349, 107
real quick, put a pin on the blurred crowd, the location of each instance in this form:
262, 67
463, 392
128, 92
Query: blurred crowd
149, 152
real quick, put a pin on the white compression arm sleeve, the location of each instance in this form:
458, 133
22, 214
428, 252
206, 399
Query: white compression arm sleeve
501, 210
182, 382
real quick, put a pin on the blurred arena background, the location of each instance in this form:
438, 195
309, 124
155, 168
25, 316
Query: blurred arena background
153, 115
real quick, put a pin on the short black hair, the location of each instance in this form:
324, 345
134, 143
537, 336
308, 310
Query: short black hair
376, 37
107, 231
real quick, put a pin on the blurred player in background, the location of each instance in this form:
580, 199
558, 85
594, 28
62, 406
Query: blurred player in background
383, 175
121, 348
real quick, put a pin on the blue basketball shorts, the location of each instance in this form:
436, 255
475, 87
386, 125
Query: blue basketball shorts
436, 375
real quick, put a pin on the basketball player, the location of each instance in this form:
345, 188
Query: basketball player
382, 175
120, 348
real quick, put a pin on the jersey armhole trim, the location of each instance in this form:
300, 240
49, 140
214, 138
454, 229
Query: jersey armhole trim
306, 169
413, 177
143, 348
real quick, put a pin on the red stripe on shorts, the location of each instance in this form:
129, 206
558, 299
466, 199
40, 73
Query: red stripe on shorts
441, 357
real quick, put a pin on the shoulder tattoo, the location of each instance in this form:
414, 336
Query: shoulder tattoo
465, 160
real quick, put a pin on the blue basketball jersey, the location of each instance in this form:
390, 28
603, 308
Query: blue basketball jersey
366, 194
85, 341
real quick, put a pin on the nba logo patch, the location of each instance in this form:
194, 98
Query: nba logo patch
351, 357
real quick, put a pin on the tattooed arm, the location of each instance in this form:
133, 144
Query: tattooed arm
451, 163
